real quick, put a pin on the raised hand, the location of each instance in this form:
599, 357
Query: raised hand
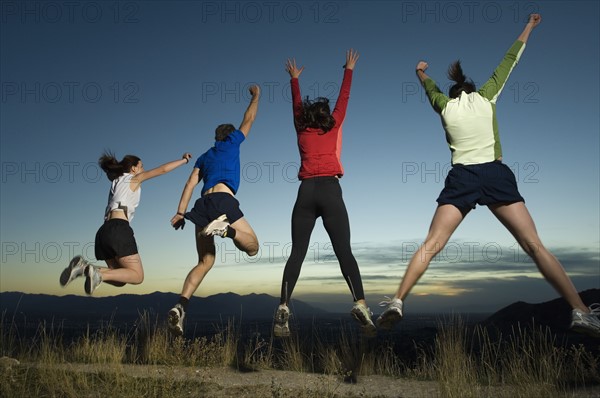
351, 58
292, 69
422, 65
254, 91
535, 20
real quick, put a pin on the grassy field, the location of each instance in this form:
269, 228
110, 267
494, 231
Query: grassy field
462, 362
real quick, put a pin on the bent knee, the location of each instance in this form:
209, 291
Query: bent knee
252, 249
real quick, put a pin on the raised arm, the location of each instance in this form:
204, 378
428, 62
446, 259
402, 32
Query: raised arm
420, 69
194, 179
251, 111
493, 87
534, 20
339, 112
160, 170
294, 71
437, 99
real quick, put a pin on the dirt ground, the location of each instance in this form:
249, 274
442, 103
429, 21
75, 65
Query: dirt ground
229, 382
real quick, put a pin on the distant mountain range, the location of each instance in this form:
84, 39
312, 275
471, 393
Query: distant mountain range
555, 314
225, 305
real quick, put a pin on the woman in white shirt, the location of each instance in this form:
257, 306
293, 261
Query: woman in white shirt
115, 241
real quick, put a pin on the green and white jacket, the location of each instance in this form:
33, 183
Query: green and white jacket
470, 120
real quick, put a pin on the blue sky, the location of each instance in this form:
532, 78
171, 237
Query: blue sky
154, 78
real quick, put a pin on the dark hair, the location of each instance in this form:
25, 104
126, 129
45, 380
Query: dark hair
456, 74
222, 131
113, 168
315, 114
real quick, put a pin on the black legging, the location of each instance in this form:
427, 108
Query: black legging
321, 197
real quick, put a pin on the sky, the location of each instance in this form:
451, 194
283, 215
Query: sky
154, 79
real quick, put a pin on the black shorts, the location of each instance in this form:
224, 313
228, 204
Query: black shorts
483, 184
213, 205
114, 239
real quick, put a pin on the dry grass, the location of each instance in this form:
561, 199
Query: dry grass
465, 362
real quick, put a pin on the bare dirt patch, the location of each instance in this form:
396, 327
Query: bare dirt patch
230, 382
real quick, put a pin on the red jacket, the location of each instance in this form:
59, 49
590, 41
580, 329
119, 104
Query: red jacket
320, 153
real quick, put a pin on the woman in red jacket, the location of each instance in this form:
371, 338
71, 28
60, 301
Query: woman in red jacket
319, 133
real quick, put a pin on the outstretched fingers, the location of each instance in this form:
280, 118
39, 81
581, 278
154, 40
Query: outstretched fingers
292, 69
351, 58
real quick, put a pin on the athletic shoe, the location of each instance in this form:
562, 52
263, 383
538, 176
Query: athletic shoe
362, 314
391, 315
216, 227
75, 269
93, 278
176, 315
586, 323
281, 328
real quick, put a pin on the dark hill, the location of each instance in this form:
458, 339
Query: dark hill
48, 307
555, 314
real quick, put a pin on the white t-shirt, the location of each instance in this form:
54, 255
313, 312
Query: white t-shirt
121, 197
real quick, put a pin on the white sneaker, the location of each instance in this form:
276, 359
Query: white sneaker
216, 227
392, 314
586, 323
281, 327
75, 269
176, 316
362, 314
93, 278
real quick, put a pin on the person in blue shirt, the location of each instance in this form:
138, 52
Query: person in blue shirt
217, 212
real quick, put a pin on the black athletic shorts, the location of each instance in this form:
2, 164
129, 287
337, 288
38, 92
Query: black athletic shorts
483, 184
211, 206
114, 239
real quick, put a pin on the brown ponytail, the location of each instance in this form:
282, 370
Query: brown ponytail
456, 74
113, 168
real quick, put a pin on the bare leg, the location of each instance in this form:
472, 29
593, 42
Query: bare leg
445, 221
113, 264
122, 270
516, 218
206, 259
245, 238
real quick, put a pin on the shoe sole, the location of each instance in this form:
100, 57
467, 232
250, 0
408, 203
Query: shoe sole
89, 273
205, 232
579, 328
281, 328
367, 327
67, 275
388, 319
174, 327
88, 281
281, 331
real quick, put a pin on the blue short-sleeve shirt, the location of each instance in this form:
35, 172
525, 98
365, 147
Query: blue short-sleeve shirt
221, 163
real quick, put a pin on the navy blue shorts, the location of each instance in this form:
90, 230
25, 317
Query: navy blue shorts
483, 184
114, 239
213, 205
